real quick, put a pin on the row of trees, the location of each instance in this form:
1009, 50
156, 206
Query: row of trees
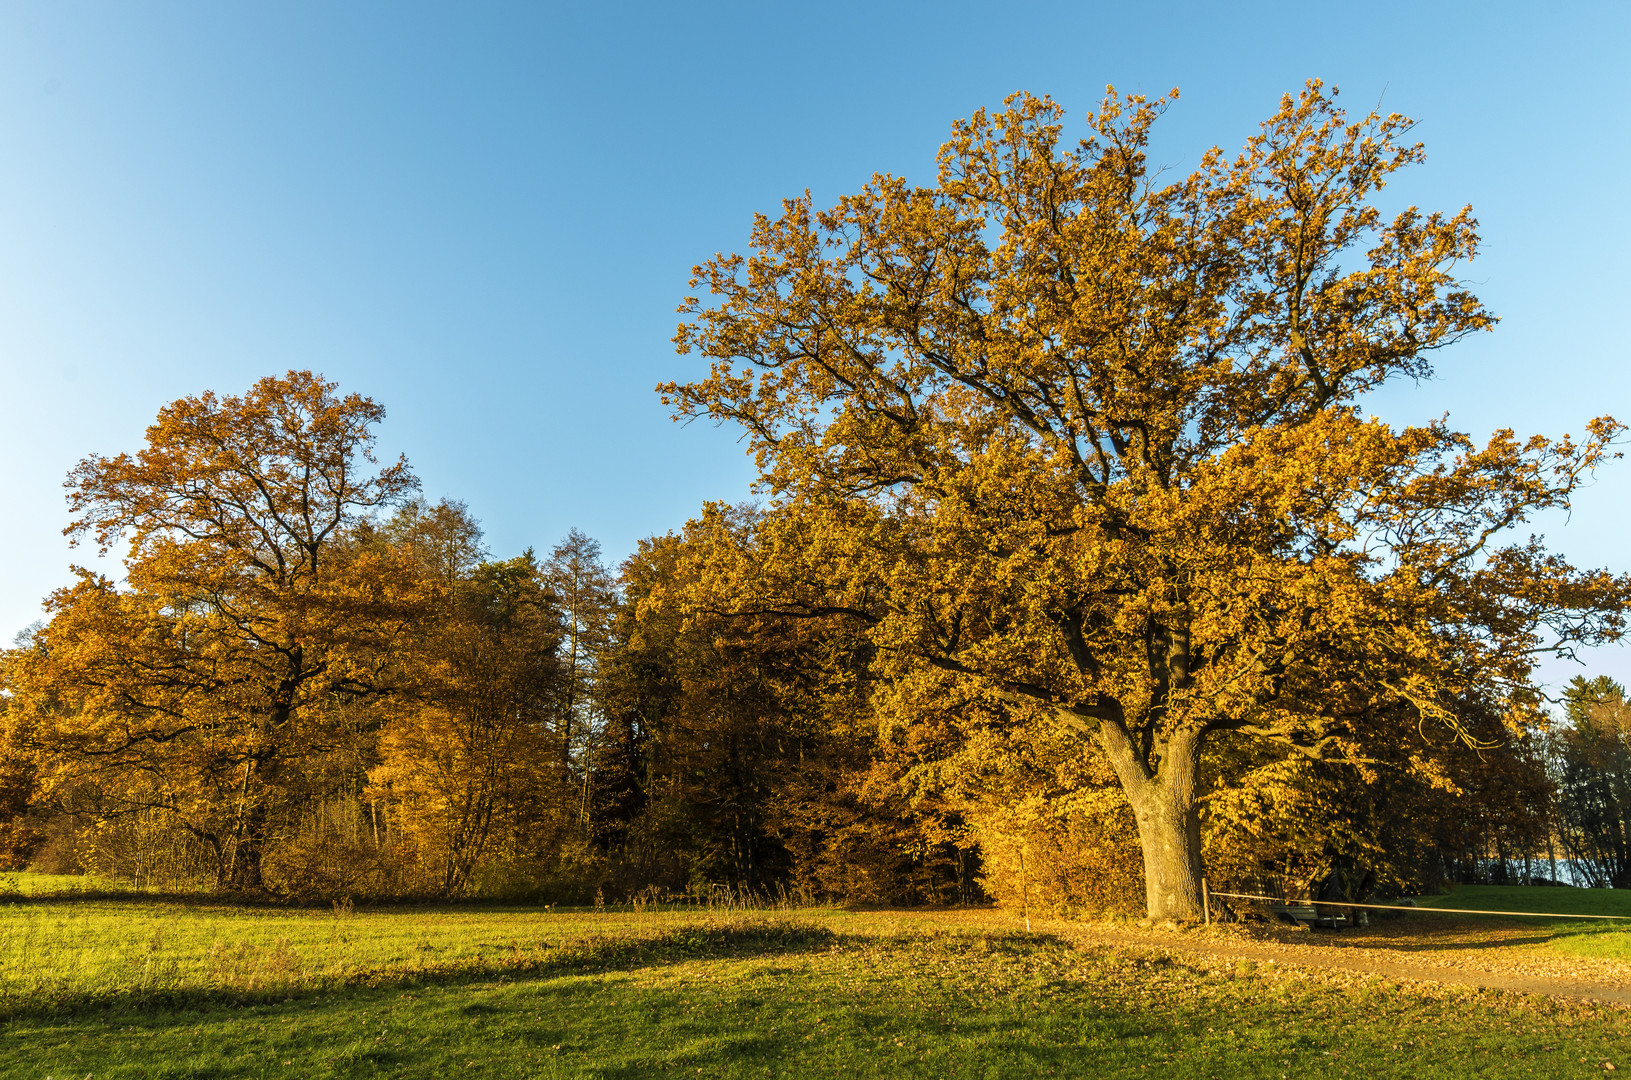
1589, 766
297, 637
1076, 545
313, 681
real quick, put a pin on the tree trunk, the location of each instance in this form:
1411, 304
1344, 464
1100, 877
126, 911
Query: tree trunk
260, 773
1171, 836
1168, 815
246, 864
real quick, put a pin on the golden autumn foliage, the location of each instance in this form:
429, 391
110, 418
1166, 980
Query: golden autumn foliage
288, 693
760, 739
1083, 569
471, 757
1091, 442
213, 685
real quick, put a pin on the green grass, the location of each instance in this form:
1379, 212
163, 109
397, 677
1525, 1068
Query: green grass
1610, 940
71, 953
27, 883
127, 988
1557, 900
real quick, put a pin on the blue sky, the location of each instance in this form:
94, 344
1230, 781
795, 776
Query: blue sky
483, 214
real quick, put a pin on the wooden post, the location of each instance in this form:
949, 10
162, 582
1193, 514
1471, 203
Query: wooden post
1024, 889
1206, 901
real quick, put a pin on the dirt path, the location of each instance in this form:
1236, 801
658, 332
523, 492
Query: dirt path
1485, 968
1498, 955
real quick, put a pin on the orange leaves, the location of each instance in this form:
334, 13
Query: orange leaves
1105, 407
269, 476
258, 606
1092, 438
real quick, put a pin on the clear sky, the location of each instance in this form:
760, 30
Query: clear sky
483, 214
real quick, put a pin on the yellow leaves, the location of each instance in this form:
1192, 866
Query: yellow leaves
258, 607
1070, 436
267, 476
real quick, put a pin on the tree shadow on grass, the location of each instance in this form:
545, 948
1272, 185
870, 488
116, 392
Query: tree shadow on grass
1431, 946
1439, 936
208, 900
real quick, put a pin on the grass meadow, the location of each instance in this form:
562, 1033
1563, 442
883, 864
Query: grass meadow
112, 985
1595, 937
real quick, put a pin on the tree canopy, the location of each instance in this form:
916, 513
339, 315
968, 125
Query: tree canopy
252, 614
1078, 543
1089, 442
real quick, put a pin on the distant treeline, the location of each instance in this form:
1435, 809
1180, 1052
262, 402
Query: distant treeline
314, 683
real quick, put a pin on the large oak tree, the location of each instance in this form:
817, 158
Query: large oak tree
1087, 440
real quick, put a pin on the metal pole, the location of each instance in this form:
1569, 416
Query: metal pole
1206, 902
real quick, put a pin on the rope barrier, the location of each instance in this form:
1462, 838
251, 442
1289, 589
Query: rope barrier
1412, 907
